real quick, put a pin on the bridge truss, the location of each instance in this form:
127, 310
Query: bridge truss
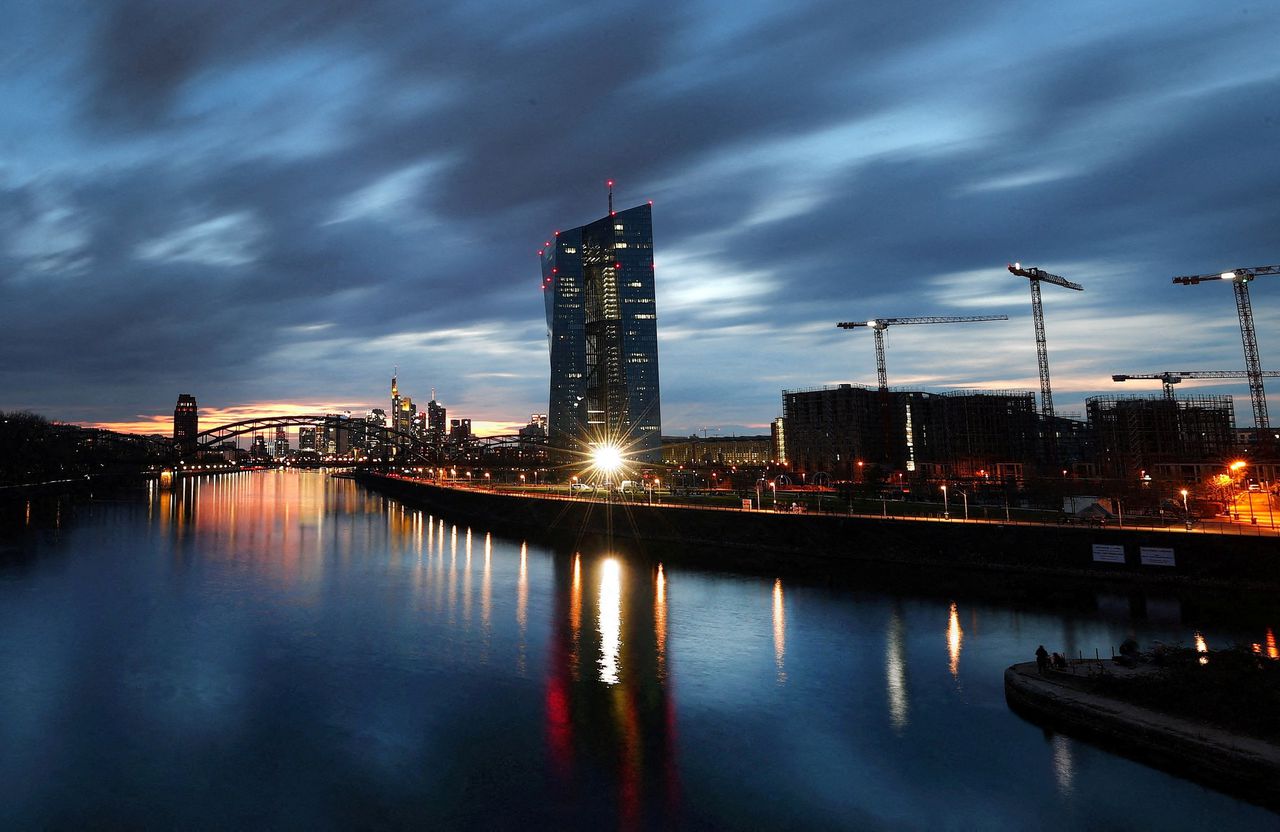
410, 448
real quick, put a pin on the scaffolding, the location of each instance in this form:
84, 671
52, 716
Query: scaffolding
977, 434
1137, 434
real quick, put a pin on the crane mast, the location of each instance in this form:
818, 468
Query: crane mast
1035, 276
1240, 279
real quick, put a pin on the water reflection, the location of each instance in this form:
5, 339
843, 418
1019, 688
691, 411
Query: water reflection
575, 616
466, 583
610, 619
522, 610
331, 651
621, 719
779, 630
486, 584
895, 672
1063, 765
955, 636
660, 620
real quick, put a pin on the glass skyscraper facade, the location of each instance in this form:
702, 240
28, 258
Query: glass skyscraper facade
602, 330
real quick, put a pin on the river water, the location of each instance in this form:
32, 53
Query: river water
288, 650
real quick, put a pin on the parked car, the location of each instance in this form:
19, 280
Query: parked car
581, 486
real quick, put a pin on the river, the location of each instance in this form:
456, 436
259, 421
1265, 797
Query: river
288, 650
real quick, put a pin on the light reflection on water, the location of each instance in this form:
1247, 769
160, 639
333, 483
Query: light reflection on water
310, 650
955, 638
779, 630
895, 673
610, 619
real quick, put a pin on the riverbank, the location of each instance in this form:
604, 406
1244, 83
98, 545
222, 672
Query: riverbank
1247, 767
70, 485
822, 544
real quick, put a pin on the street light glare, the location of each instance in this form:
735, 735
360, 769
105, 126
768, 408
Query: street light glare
607, 458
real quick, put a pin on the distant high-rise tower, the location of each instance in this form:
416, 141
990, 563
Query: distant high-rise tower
602, 330
437, 423
395, 400
282, 443
186, 423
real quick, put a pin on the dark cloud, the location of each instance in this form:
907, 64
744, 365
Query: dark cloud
275, 199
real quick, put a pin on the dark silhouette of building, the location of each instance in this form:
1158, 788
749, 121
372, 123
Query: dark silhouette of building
968, 433
1161, 436
437, 420
460, 430
186, 423
602, 331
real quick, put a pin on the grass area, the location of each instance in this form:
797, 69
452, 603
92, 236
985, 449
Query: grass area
1237, 689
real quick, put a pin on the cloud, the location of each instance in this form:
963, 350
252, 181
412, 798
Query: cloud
264, 202
228, 240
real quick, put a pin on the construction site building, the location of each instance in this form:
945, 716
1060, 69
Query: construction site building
1181, 438
977, 434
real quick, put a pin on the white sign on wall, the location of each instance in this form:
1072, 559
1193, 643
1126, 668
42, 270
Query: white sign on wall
1108, 553
1154, 556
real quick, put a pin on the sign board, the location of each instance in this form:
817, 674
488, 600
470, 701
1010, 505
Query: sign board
1154, 556
747, 505
1108, 553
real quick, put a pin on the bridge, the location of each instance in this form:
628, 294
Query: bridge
410, 447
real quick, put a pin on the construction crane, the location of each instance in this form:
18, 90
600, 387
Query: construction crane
1240, 279
1042, 348
879, 325
1168, 379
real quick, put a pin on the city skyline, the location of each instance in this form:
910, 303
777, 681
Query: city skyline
271, 208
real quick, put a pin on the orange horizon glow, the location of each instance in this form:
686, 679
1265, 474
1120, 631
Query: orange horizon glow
162, 423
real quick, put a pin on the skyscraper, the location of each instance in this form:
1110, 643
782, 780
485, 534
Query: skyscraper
602, 331
437, 423
186, 423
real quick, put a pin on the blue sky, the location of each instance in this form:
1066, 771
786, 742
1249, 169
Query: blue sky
270, 205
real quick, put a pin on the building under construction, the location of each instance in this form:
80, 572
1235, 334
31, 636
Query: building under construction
968, 433
1164, 437
976, 434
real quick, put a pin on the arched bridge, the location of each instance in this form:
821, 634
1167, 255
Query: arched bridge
359, 432
411, 448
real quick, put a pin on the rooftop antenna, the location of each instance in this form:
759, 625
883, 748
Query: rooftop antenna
610, 184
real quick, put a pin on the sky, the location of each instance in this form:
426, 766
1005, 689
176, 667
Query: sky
270, 205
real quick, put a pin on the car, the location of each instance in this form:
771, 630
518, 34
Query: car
581, 486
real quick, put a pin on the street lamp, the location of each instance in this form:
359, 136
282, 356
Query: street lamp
946, 504
965, 496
